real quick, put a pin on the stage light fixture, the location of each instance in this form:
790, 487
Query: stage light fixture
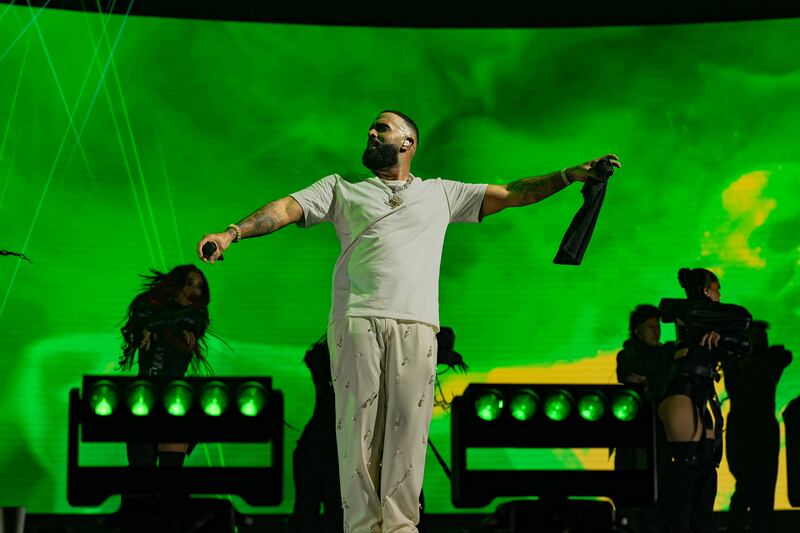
524, 405
103, 398
558, 405
562, 417
178, 398
141, 398
251, 398
625, 405
214, 398
592, 406
489, 405
165, 409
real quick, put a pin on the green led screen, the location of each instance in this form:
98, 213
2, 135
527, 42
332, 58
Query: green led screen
123, 140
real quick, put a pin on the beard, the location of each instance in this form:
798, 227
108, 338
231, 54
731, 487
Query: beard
380, 157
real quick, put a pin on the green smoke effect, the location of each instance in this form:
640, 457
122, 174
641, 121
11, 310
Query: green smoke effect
122, 141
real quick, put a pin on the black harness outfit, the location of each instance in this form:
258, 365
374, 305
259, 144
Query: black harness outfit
690, 484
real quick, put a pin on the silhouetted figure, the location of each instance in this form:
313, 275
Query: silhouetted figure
644, 360
315, 463
753, 433
445, 352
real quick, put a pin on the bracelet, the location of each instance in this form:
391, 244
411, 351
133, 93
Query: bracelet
238, 231
564, 177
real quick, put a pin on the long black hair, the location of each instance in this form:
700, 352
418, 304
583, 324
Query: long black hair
159, 289
695, 280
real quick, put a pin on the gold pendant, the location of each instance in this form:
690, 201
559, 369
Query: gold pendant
395, 201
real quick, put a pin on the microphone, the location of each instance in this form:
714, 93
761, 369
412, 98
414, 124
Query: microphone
604, 168
208, 250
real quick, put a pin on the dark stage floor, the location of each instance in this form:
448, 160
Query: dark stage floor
785, 522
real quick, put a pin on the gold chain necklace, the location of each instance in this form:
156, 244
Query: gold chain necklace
396, 200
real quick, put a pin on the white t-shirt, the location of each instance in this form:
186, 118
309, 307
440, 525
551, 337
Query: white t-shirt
389, 263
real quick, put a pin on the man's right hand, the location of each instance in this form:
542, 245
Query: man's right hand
222, 240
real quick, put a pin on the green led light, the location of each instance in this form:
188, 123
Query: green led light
592, 407
214, 398
103, 398
489, 405
558, 406
141, 398
251, 398
178, 398
626, 406
524, 405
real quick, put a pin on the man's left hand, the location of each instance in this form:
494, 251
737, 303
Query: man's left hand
587, 170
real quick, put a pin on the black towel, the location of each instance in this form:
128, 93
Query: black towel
579, 233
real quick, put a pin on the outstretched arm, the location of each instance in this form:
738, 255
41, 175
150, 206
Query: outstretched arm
268, 219
272, 217
528, 191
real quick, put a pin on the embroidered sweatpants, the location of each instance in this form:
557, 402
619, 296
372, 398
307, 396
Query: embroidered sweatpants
383, 373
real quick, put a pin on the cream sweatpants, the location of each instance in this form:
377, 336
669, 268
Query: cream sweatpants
383, 371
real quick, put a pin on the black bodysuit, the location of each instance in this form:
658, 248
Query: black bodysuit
168, 354
690, 484
694, 374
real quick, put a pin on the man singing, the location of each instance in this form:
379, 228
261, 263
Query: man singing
385, 309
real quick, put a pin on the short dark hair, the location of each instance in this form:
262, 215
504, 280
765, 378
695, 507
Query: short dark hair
408, 120
640, 314
695, 280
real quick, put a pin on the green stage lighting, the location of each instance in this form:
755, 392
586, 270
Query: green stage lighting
524, 405
178, 398
592, 406
214, 398
489, 405
558, 405
141, 398
497, 454
626, 406
159, 408
103, 398
251, 398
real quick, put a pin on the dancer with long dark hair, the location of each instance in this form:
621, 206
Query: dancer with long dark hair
164, 334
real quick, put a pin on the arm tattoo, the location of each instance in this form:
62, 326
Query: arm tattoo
263, 221
531, 190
